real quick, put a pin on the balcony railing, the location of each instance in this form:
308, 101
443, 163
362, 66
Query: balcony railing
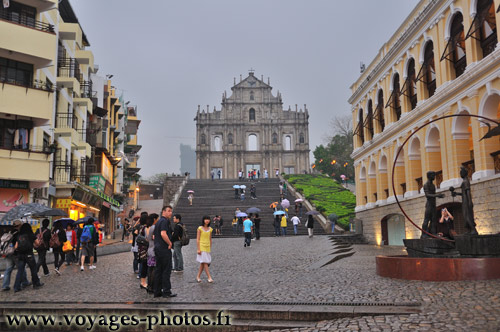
26, 21
66, 120
68, 67
86, 89
29, 148
32, 84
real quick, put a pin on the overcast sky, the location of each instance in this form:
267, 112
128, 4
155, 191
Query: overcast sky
168, 57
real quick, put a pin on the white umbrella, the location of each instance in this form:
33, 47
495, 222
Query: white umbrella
243, 186
299, 200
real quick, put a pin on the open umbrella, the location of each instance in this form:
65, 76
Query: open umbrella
312, 213
333, 217
273, 205
190, 191
253, 210
236, 186
285, 203
299, 200
243, 186
65, 222
84, 220
279, 212
241, 214
23, 211
52, 213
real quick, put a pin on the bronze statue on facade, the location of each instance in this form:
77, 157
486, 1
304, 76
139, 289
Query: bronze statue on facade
467, 206
430, 218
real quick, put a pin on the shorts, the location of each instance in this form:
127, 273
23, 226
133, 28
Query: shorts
88, 249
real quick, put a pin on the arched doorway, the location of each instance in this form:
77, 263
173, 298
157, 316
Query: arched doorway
393, 230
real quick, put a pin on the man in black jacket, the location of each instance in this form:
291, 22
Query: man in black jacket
176, 240
42, 251
163, 254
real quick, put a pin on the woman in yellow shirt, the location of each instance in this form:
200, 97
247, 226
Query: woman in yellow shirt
283, 224
204, 244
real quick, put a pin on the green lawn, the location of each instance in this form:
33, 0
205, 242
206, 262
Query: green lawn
328, 195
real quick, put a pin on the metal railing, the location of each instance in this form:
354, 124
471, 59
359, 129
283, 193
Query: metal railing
32, 84
26, 21
66, 120
86, 89
68, 67
30, 148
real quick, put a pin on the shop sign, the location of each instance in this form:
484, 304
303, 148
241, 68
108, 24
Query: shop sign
97, 181
12, 184
108, 189
10, 198
106, 168
63, 203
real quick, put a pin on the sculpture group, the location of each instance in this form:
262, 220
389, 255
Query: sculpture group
430, 219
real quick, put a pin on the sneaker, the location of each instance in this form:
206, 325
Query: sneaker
46, 274
6, 289
245, 245
58, 272
23, 286
82, 268
91, 267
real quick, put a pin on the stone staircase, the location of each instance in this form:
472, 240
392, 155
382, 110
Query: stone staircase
217, 198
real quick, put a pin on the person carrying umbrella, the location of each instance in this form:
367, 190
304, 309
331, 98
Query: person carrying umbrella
44, 246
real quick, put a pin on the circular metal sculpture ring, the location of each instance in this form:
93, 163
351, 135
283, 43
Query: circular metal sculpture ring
401, 148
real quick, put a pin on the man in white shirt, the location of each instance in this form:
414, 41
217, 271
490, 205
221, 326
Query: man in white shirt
296, 222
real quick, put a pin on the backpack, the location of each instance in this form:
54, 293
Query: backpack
185, 236
54, 240
95, 236
39, 243
6, 247
86, 235
23, 244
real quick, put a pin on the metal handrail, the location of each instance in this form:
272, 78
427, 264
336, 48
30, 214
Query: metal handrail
26, 21
35, 84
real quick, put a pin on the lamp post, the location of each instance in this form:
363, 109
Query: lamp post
137, 197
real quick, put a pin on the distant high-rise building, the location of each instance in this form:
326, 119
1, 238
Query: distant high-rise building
188, 159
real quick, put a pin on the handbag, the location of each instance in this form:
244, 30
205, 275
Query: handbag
67, 246
141, 240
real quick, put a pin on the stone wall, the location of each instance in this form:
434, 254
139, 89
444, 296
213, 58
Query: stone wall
170, 187
485, 196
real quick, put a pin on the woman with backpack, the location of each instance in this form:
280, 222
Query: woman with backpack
56, 243
23, 244
43, 238
7, 251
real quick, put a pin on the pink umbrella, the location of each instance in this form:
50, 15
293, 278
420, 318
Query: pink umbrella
285, 203
299, 200
190, 191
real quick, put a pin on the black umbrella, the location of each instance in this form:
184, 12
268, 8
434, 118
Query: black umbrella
52, 213
84, 220
312, 213
253, 210
65, 222
333, 217
23, 211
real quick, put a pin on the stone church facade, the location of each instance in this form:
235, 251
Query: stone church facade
251, 131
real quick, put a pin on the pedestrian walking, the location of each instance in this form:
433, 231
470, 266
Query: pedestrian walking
283, 224
23, 244
240, 175
190, 198
212, 175
219, 173
239, 226
150, 227
277, 173
125, 226
221, 224
44, 246
71, 237
204, 246
79, 230
86, 240
247, 229
235, 225
310, 225
216, 221
258, 175
142, 252
57, 240
256, 223
163, 254
266, 174
296, 222
253, 192
276, 224
11, 258
176, 240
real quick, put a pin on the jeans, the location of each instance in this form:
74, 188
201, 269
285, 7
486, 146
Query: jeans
277, 231
235, 229
77, 251
178, 261
284, 230
42, 262
58, 262
239, 228
248, 238
70, 257
333, 227
163, 267
8, 271
295, 229
135, 263
257, 232
22, 260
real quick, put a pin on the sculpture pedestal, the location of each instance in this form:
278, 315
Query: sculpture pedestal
430, 247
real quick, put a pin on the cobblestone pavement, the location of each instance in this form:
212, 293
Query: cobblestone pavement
288, 269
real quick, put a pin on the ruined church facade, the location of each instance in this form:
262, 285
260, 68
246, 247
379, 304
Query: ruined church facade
251, 131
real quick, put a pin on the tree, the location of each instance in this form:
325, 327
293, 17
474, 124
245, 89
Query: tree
158, 178
335, 159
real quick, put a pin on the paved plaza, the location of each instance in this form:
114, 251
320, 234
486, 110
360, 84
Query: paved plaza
288, 270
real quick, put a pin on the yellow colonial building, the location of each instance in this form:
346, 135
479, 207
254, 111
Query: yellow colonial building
443, 60
28, 40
